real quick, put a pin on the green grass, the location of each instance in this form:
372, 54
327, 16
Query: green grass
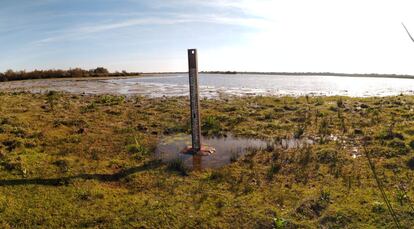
87, 161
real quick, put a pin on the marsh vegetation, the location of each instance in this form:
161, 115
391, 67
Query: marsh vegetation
88, 161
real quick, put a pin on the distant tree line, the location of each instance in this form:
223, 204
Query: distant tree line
220, 72
10, 75
314, 74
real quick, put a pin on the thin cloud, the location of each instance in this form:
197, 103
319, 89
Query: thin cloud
85, 31
130, 23
238, 17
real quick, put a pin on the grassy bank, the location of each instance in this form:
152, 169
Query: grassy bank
86, 161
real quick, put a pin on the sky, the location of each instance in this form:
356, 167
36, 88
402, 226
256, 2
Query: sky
350, 36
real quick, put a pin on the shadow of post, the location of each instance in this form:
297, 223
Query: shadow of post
66, 180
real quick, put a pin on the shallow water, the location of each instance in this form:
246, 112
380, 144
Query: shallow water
214, 85
171, 148
227, 148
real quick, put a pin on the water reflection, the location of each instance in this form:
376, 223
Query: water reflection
170, 148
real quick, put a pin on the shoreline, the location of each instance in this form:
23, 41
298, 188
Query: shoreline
370, 75
149, 74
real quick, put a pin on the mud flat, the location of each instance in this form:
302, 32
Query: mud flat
215, 85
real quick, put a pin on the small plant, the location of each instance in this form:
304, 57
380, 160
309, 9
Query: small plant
178, 165
279, 223
270, 147
268, 116
62, 165
274, 169
137, 149
3, 204
51, 99
314, 208
234, 156
399, 147
319, 101
216, 175
211, 126
343, 125
375, 117
88, 108
378, 207
307, 99
410, 132
300, 130
324, 127
325, 196
18, 131
305, 156
88, 195
401, 197
110, 100
340, 103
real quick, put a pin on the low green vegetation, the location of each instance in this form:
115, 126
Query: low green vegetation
88, 162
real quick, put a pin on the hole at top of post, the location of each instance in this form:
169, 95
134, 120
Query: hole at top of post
192, 51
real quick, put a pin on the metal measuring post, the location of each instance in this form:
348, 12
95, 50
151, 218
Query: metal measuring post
194, 100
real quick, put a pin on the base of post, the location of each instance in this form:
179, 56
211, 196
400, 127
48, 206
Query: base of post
204, 151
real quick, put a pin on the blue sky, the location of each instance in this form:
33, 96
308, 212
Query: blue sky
244, 35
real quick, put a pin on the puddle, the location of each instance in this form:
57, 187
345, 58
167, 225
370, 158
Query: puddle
170, 148
227, 148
